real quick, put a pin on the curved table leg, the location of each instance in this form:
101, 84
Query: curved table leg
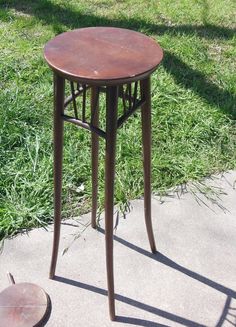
95, 148
146, 138
59, 87
111, 129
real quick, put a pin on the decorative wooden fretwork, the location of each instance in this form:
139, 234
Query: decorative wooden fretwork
130, 95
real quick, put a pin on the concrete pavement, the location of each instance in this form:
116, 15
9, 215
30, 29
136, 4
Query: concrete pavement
190, 282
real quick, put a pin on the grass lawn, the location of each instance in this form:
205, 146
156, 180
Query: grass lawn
193, 114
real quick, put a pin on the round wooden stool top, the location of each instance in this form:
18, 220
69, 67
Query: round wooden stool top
103, 55
23, 305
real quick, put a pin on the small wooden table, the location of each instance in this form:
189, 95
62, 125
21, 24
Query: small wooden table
118, 62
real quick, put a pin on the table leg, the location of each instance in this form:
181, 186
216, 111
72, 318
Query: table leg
146, 138
59, 88
95, 148
111, 129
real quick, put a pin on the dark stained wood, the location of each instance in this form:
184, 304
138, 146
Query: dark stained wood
24, 305
111, 130
146, 139
94, 152
59, 88
105, 59
103, 55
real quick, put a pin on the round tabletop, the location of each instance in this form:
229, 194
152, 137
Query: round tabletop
23, 305
103, 55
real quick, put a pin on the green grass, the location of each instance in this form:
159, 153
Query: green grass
194, 93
